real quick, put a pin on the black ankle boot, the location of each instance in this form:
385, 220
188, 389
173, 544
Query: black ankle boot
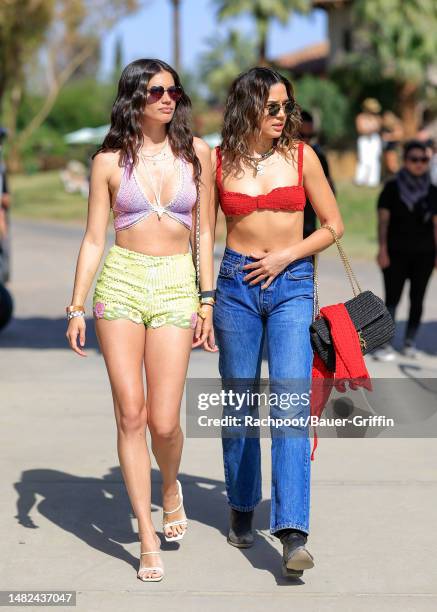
295, 557
240, 529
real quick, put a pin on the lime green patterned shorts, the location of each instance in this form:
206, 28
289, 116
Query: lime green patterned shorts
149, 289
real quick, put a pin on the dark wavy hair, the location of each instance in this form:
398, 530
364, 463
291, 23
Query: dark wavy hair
125, 133
244, 112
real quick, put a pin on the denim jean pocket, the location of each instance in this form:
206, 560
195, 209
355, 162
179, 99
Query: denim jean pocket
300, 270
227, 269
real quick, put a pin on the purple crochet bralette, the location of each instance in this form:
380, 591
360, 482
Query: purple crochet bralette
131, 204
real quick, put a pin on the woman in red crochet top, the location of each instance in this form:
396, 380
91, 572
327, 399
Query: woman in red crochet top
263, 176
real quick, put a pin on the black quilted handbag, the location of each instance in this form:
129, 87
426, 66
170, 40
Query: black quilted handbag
368, 313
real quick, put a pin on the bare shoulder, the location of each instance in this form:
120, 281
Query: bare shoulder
105, 162
310, 159
308, 153
292, 154
201, 147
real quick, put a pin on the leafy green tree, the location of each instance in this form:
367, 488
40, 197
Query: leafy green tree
263, 11
71, 35
81, 103
329, 106
401, 36
23, 24
226, 58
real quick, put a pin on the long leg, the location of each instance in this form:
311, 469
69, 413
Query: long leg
290, 361
239, 332
122, 345
166, 359
421, 270
394, 279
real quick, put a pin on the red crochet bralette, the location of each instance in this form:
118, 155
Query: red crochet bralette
279, 198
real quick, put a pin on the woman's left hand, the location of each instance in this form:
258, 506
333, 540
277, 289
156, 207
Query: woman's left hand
209, 344
268, 266
203, 328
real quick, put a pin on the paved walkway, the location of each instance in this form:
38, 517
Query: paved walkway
65, 515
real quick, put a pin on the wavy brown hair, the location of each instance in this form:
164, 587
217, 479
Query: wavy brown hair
125, 133
244, 112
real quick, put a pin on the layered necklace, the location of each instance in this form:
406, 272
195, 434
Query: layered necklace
161, 155
257, 162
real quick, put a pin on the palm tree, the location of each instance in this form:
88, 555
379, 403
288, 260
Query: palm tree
403, 44
176, 7
263, 11
225, 58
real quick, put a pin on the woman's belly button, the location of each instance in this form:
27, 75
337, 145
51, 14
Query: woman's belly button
154, 240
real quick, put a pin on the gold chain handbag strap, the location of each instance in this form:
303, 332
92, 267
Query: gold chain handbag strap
347, 266
198, 243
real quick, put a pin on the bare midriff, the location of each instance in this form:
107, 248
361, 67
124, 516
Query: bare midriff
153, 236
264, 230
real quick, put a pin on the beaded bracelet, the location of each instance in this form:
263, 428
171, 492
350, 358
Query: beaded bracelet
75, 313
208, 300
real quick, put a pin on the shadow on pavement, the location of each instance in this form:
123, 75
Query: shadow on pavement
42, 333
98, 512
426, 336
47, 333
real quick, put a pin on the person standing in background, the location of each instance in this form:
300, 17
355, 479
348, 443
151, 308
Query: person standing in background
424, 135
407, 235
4, 202
4, 215
433, 165
368, 126
308, 135
392, 135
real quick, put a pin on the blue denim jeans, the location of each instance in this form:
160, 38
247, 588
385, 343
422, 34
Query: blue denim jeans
243, 316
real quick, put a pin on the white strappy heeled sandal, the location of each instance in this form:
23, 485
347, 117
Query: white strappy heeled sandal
153, 568
183, 521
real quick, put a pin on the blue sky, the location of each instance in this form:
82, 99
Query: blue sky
148, 33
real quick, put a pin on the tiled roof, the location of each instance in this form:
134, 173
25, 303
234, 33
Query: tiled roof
312, 53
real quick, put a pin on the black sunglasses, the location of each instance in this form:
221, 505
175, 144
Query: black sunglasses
417, 160
157, 91
274, 107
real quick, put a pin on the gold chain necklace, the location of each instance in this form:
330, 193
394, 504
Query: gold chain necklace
161, 155
156, 206
256, 162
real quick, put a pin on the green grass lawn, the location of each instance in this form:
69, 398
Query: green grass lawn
358, 209
41, 196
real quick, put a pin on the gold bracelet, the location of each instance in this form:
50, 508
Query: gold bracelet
73, 308
201, 313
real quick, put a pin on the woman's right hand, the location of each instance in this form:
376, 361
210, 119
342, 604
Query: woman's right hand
76, 327
383, 259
